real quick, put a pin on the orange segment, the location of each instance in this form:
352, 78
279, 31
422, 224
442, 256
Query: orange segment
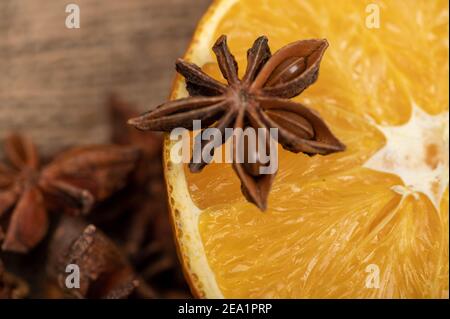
366, 71
334, 228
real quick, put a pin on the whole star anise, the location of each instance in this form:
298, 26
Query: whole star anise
260, 100
72, 183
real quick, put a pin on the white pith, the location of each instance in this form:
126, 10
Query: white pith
190, 243
405, 155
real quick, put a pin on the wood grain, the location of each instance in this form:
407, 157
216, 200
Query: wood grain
54, 81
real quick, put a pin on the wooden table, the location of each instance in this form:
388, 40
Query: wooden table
54, 81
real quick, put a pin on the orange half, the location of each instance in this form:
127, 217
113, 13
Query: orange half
370, 222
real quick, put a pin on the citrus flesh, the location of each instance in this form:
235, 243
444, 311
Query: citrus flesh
335, 226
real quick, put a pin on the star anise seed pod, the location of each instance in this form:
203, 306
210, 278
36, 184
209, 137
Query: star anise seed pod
72, 183
260, 100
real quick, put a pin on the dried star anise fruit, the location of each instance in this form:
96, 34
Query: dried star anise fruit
72, 183
11, 286
104, 269
259, 100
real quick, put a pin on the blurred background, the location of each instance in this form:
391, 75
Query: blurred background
55, 86
54, 80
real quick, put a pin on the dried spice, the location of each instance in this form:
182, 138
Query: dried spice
11, 286
259, 100
148, 238
104, 269
148, 185
71, 183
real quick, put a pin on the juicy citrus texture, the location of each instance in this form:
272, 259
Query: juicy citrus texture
333, 225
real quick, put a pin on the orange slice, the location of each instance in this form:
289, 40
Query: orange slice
371, 222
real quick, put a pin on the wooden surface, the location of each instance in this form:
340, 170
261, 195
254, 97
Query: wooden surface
54, 81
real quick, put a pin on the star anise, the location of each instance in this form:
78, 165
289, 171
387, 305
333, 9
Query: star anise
260, 100
72, 183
